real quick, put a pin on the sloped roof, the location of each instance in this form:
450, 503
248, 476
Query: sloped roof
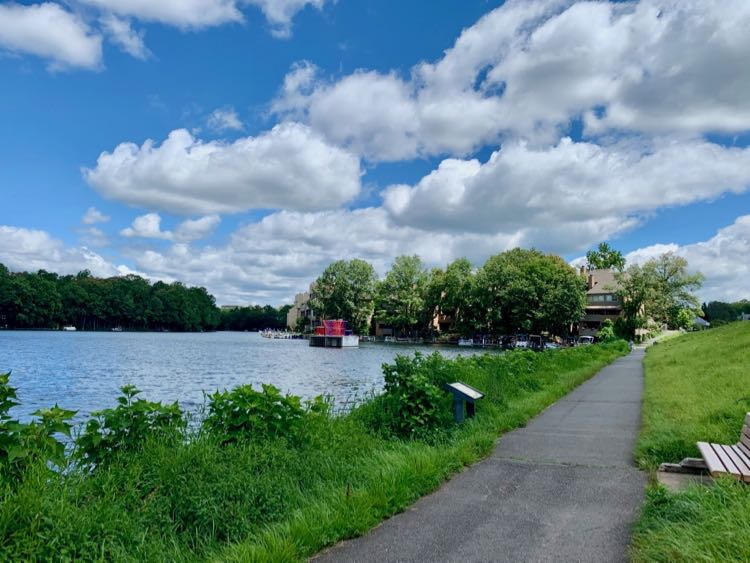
603, 282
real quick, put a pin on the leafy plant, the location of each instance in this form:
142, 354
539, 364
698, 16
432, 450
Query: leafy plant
23, 444
244, 413
413, 403
127, 426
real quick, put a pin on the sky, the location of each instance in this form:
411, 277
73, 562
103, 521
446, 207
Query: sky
243, 145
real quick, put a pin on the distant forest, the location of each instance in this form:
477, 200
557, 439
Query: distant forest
719, 312
48, 300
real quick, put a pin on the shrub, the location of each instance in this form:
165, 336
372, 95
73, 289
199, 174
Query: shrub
244, 413
24, 444
127, 427
413, 403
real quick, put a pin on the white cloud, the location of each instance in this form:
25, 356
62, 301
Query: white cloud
30, 250
527, 68
578, 189
288, 167
125, 37
185, 14
149, 226
194, 229
225, 119
722, 259
93, 216
279, 13
93, 236
198, 14
49, 31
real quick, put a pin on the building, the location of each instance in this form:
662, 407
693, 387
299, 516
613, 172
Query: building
602, 302
300, 310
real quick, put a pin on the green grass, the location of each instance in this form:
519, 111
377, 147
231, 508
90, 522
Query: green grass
270, 500
697, 389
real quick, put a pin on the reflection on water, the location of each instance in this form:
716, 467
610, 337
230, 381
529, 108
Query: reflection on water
84, 371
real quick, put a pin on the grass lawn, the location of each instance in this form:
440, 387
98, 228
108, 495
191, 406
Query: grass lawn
697, 389
197, 499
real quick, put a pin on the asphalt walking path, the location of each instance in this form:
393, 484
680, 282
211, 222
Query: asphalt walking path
564, 488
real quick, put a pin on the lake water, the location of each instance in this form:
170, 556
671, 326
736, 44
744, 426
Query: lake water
84, 371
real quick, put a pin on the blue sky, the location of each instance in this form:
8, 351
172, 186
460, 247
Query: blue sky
285, 134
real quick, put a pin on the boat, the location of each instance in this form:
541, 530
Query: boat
334, 334
117, 329
69, 328
466, 342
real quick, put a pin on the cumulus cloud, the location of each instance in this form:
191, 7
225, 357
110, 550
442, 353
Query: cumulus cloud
197, 14
124, 36
30, 250
722, 260
49, 31
93, 216
288, 167
568, 186
146, 226
224, 119
185, 14
279, 13
527, 68
149, 226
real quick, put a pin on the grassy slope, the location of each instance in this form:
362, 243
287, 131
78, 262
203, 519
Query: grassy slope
274, 501
697, 388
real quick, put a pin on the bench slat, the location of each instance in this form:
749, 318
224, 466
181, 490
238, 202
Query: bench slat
744, 449
744, 460
745, 440
747, 419
738, 461
715, 466
726, 460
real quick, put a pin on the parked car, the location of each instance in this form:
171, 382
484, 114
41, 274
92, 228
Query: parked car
585, 340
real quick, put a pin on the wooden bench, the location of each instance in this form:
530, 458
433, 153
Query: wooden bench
729, 460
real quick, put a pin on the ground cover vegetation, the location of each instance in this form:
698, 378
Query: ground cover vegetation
259, 475
696, 390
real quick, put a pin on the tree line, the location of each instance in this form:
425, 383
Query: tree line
515, 291
518, 290
47, 300
720, 312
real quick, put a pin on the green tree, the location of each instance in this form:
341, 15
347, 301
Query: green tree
529, 291
346, 290
605, 257
450, 294
658, 291
400, 297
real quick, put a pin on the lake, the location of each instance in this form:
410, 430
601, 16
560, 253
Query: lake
84, 371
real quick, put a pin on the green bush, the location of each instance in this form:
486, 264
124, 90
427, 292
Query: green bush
126, 427
244, 413
25, 444
413, 403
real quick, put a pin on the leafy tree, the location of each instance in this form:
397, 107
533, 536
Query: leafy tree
658, 290
46, 300
346, 290
605, 257
400, 298
529, 291
450, 293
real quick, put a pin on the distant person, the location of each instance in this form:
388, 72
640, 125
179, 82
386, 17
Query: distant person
630, 344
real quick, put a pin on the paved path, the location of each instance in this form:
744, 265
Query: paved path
564, 488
